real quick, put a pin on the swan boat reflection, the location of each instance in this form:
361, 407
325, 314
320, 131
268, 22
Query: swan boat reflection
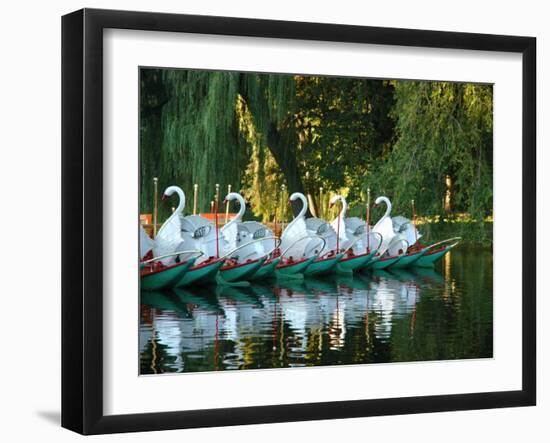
292, 322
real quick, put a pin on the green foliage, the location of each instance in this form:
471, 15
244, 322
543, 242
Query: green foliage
443, 132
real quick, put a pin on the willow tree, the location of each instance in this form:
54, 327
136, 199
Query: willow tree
204, 127
443, 151
191, 135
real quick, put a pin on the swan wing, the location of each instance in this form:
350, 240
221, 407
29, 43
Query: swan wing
146, 243
406, 229
356, 232
316, 226
292, 239
199, 233
258, 231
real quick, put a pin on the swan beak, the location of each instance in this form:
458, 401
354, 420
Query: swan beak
224, 201
164, 197
330, 205
288, 202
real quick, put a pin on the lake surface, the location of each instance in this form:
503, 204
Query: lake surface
373, 317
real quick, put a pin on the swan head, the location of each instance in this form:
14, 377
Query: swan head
334, 199
381, 199
296, 196
170, 190
233, 196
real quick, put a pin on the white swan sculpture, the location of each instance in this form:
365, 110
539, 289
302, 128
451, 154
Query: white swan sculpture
168, 239
237, 234
353, 232
179, 233
392, 242
300, 238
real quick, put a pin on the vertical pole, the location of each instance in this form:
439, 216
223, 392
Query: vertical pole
321, 202
216, 216
227, 204
338, 233
368, 219
414, 222
275, 233
283, 208
155, 205
195, 197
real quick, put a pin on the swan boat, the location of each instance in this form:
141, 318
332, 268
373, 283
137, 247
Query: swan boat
193, 233
401, 247
356, 239
247, 247
159, 270
302, 243
393, 246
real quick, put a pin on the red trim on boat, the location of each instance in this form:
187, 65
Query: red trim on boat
144, 273
238, 265
351, 257
391, 258
319, 260
285, 265
203, 264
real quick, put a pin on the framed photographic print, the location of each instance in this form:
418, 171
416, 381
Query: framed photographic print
269, 221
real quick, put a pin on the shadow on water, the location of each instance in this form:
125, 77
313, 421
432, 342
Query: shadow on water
397, 315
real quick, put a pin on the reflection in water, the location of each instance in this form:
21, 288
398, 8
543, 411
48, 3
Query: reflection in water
382, 316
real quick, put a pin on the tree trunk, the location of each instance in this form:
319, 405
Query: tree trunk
283, 148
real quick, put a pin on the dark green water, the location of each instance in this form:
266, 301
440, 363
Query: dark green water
376, 317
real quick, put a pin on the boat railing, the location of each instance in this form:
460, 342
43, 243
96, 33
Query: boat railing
453, 240
311, 236
364, 236
258, 240
160, 257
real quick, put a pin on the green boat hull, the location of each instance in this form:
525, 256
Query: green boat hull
201, 274
428, 260
295, 270
407, 260
322, 266
384, 263
267, 270
371, 262
165, 278
240, 272
348, 265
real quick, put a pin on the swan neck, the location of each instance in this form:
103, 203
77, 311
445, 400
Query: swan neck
240, 212
388, 208
304, 206
181, 203
344, 209
242, 208
302, 212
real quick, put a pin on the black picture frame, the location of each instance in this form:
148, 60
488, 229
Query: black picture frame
82, 230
